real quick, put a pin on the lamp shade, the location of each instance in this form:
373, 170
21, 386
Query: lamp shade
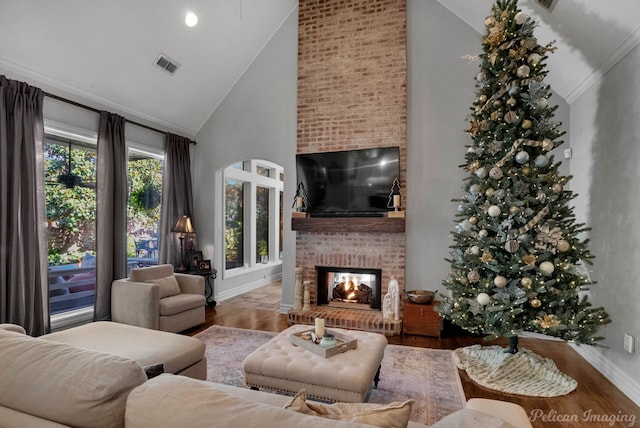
184, 225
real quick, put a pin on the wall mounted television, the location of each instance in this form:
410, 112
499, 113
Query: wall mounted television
348, 183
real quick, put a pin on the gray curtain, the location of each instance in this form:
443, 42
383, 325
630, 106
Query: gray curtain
177, 196
111, 216
24, 294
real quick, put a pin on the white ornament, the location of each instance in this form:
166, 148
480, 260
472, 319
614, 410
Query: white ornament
483, 233
495, 173
523, 71
481, 172
520, 18
475, 189
547, 267
500, 281
534, 59
483, 299
541, 161
475, 250
460, 208
522, 157
480, 77
547, 144
542, 103
494, 211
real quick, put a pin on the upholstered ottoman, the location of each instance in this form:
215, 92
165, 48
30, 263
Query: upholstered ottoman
279, 365
178, 354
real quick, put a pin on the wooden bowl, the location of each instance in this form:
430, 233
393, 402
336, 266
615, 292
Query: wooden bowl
421, 297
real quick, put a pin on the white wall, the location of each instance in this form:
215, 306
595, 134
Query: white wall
606, 133
257, 120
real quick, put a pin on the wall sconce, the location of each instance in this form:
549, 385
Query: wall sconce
183, 227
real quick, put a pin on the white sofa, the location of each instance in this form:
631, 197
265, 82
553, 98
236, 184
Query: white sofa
50, 384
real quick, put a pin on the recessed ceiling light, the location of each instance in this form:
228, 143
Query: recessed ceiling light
191, 19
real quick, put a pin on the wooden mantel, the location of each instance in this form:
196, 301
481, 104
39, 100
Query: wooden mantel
348, 224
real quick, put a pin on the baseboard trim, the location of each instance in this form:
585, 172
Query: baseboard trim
611, 371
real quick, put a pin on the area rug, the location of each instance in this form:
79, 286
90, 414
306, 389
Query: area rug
428, 376
524, 373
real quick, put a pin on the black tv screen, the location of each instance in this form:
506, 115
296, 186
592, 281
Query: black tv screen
352, 182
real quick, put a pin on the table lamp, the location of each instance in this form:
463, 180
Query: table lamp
183, 227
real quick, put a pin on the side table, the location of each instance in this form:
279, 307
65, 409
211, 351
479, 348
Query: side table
209, 277
421, 319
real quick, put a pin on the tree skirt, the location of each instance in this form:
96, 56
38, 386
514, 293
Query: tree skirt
524, 373
428, 376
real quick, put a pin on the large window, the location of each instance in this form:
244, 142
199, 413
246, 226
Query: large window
70, 203
143, 210
252, 214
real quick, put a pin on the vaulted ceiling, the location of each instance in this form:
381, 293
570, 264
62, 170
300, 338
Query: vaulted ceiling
105, 51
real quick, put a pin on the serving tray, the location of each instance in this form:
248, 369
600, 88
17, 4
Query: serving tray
343, 343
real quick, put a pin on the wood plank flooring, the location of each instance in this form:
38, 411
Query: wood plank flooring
595, 403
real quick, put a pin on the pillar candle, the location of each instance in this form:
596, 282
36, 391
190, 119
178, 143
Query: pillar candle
299, 202
396, 200
319, 327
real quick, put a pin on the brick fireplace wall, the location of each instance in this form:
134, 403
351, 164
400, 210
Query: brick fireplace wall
352, 95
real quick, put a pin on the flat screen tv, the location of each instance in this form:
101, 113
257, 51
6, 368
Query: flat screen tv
348, 183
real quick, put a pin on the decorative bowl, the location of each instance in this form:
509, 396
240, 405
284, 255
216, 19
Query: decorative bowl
421, 297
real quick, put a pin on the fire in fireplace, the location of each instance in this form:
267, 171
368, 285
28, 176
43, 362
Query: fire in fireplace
349, 287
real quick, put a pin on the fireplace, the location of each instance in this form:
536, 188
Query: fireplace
353, 288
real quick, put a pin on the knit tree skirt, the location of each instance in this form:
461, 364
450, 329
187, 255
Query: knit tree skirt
524, 373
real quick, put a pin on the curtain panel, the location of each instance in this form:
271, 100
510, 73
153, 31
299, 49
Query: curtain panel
24, 289
177, 195
111, 216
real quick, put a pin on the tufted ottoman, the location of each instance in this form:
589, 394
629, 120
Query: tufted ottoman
281, 366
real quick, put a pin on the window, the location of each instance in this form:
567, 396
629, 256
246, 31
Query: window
70, 204
143, 208
253, 214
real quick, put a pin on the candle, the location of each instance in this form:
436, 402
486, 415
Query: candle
299, 201
396, 200
319, 327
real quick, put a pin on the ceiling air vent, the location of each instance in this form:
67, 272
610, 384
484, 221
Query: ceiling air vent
547, 4
167, 64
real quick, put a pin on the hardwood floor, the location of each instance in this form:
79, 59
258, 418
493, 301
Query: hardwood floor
595, 403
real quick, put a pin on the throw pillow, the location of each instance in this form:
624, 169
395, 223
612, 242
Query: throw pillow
393, 415
168, 286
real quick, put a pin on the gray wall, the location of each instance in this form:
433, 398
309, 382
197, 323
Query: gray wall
256, 120
606, 132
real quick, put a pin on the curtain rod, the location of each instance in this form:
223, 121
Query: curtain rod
95, 110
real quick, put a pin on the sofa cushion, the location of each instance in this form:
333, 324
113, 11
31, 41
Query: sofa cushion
468, 418
393, 415
64, 384
170, 401
168, 286
180, 303
153, 272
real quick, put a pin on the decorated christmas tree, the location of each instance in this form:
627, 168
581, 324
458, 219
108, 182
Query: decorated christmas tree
519, 257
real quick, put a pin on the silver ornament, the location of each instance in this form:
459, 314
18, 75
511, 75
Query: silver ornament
557, 188
475, 189
511, 246
494, 211
483, 233
500, 281
481, 172
522, 157
473, 276
483, 299
541, 161
534, 59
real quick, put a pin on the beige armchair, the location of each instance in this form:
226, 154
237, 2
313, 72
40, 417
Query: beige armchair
157, 298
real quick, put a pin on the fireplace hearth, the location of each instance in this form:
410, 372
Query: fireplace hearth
354, 288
